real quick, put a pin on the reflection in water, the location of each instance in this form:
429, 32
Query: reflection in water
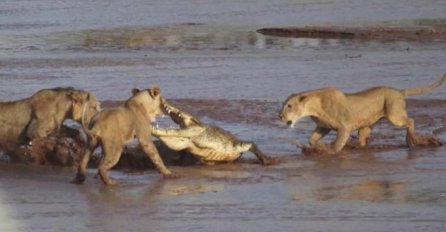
193, 37
182, 189
260, 41
308, 42
187, 37
375, 192
7, 221
175, 37
371, 191
119, 207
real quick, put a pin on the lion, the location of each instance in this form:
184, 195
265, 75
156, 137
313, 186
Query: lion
331, 109
114, 127
42, 114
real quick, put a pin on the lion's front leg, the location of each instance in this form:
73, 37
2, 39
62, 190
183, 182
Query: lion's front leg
318, 134
341, 140
363, 135
149, 148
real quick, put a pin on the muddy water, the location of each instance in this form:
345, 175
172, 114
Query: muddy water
202, 54
398, 190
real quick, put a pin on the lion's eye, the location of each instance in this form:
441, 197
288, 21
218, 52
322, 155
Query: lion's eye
288, 106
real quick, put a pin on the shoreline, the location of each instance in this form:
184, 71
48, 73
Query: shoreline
416, 31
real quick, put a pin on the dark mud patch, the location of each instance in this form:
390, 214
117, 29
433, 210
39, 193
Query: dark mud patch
424, 32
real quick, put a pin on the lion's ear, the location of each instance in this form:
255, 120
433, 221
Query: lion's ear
302, 98
76, 97
155, 91
135, 91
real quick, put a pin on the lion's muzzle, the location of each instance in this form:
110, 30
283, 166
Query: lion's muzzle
283, 119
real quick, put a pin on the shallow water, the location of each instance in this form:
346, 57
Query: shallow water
202, 54
397, 190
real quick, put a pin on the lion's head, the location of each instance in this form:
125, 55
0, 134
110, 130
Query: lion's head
293, 109
85, 106
151, 100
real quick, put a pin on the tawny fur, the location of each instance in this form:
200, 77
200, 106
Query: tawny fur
331, 109
42, 114
114, 127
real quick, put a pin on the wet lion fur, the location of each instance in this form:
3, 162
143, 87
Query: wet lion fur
331, 109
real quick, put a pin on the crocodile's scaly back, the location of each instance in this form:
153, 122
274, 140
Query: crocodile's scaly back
207, 142
220, 140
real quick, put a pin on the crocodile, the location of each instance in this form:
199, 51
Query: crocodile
208, 143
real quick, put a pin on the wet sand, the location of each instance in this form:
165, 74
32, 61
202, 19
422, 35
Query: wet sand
208, 59
364, 33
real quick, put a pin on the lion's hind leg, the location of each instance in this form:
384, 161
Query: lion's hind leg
82, 168
411, 140
112, 153
401, 119
363, 136
397, 115
80, 175
414, 140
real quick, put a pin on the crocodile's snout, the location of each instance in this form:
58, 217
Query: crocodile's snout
167, 108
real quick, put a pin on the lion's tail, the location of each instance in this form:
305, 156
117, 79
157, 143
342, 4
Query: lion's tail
424, 89
90, 136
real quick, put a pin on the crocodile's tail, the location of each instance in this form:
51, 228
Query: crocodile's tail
424, 89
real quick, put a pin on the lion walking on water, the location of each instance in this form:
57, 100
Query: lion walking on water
332, 109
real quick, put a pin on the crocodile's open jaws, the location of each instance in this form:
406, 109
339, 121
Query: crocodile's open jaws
206, 142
